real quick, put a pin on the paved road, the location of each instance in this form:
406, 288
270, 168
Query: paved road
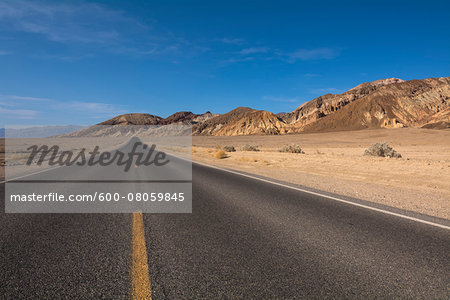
244, 239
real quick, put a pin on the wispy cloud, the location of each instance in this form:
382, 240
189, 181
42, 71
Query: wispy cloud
26, 107
280, 99
231, 41
233, 60
96, 108
322, 91
91, 28
312, 54
4, 52
267, 53
310, 75
22, 98
63, 22
254, 50
19, 113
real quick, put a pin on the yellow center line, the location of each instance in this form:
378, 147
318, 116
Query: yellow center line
140, 280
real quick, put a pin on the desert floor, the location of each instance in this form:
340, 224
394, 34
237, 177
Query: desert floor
334, 162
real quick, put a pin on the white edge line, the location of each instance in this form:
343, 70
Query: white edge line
329, 197
23, 176
289, 187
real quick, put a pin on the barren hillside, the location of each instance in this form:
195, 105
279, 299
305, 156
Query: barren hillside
385, 103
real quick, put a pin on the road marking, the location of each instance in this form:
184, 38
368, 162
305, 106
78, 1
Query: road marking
26, 175
293, 188
140, 279
329, 197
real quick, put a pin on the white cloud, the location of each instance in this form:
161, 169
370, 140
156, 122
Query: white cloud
322, 91
91, 27
233, 60
254, 50
309, 75
63, 22
280, 99
266, 53
26, 107
4, 52
313, 54
96, 108
18, 113
25, 98
232, 41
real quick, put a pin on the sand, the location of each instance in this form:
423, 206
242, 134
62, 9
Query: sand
334, 162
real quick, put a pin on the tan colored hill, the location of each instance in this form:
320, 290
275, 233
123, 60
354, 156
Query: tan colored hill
322, 106
187, 118
385, 103
377, 83
133, 119
180, 118
414, 103
242, 121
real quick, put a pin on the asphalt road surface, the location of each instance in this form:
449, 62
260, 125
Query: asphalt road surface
244, 239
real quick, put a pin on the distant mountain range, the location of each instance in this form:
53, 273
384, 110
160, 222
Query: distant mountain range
38, 131
385, 103
181, 118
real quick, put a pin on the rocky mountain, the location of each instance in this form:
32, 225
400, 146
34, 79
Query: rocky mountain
186, 118
241, 121
133, 119
385, 103
127, 120
377, 83
180, 118
414, 103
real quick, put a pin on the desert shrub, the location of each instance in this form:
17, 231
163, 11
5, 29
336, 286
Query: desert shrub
229, 148
250, 148
291, 149
18, 157
247, 159
220, 154
382, 150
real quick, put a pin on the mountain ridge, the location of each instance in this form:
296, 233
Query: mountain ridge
384, 103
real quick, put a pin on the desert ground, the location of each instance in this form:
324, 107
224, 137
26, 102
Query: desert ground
334, 162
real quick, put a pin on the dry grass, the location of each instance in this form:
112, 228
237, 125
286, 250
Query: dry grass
247, 159
220, 154
318, 152
18, 157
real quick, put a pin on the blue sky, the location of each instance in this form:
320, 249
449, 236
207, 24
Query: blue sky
81, 62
